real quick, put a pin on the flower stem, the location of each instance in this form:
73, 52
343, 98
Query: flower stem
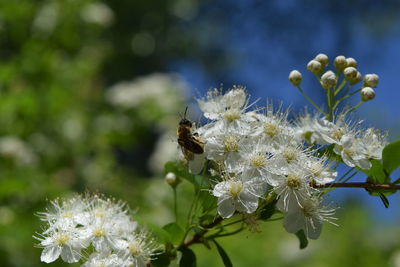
309, 100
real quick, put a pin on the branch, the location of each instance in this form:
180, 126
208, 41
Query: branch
358, 185
197, 238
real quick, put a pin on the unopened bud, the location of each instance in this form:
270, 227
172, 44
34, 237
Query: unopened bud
351, 62
328, 79
171, 179
371, 80
356, 79
314, 67
340, 63
323, 59
367, 93
350, 73
295, 77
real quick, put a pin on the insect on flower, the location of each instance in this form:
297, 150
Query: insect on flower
189, 141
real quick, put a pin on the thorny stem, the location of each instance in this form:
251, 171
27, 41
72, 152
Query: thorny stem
365, 185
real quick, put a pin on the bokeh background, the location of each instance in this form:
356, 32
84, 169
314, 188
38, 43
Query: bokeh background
90, 93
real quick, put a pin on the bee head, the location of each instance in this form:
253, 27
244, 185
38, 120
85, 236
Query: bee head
185, 122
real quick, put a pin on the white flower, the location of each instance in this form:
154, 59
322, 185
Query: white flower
66, 243
322, 58
319, 171
309, 128
138, 249
308, 217
372, 143
105, 260
292, 187
314, 67
328, 79
237, 194
352, 153
340, 63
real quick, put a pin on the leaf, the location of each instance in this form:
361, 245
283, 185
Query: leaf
302, 238
376, 174
267, 211
161, 234
208, 202
188, 258
384, 199
225, 258
391, 157
162, 260
175, 231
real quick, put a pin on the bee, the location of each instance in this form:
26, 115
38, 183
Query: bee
189, 141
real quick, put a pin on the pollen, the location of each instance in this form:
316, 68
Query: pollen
271, 129
62, 238
338, 133
258, 161
316, 169
135, 248
231, 115
99, 231
290, 154
235, 187
231, 144
293, 181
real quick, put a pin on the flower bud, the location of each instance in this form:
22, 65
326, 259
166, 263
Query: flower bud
328, 79
295, 77
367, 93
340, 63
314, 67
356, 79
171, 179
371, 80
351, 62
323, 59
350, 73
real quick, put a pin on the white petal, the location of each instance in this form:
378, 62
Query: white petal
294, 222
220, 189
70, 255
196, 165
226, 207
50, 254
314, 229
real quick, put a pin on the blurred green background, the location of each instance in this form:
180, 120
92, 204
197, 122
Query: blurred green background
88, 102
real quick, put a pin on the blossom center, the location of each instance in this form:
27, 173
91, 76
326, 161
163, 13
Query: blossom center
61, 239
258, 161
293, 181
99, 231
235, 187
272, 129
338, 133
308, 210
290, 154
232, 114
231, 144
316, 169
135, 248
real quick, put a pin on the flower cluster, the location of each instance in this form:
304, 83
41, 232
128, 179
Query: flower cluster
96, 226
260, 152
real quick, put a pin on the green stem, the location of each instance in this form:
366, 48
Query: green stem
345, 174
309, 100
331, 103
340, 87
175, 205
346, 96
355, 107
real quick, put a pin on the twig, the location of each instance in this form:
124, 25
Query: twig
358, 185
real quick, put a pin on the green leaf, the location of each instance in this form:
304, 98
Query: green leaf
376, 174
201, 181
384, 199
208, 202
302, 238
267, 211
391, 157
225, 258
175, 231
188, 258
162, 235
162, 260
